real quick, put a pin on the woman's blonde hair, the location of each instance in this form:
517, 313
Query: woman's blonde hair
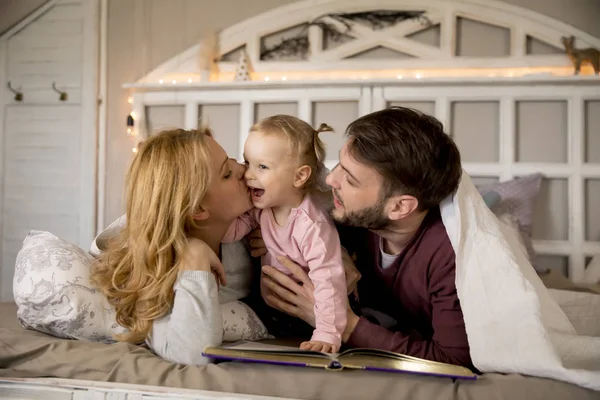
304, 141
166, 183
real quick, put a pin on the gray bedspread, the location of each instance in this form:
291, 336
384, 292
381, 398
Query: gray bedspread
25, 353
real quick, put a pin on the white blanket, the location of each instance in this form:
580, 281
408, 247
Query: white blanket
513, 323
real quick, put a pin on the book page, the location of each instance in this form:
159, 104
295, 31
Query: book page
273, 348
386, 354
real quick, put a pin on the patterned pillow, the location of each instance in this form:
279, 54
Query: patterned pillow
54, 295
516, 198
240, 322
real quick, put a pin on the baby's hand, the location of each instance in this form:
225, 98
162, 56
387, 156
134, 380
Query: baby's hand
319, 346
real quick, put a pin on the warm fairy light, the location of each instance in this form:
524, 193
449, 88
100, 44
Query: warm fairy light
227, 74
130, 100
134, 150
132, 114
129, 131
174, 81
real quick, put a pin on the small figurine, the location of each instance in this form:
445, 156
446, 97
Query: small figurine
243, 70
578, 56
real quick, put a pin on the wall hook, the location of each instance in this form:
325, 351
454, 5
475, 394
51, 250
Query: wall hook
63, 95
18, 93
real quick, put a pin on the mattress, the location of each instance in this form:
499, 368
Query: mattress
29, 354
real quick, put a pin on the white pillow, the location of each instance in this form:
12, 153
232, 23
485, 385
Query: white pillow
53, 292
54, 295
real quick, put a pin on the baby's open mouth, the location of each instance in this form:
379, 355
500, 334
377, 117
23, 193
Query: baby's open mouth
257, 192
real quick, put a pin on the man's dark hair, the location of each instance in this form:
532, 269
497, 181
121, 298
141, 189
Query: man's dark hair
410, 150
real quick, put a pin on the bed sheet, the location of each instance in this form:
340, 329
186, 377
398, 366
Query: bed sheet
29, 354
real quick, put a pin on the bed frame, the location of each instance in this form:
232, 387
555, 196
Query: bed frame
72, 389
441, 78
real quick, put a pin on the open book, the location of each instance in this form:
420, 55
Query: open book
366, 359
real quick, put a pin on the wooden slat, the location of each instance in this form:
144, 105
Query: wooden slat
41, 156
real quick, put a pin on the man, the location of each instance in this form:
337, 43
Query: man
394, 170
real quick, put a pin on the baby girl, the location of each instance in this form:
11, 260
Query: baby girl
284, 157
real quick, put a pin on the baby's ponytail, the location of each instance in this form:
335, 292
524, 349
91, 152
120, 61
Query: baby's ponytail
318, 144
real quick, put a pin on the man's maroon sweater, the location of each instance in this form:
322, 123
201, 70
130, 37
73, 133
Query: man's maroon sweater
417, 291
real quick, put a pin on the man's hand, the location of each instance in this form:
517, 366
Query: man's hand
256, 243
296, 299
258, 249
286, 294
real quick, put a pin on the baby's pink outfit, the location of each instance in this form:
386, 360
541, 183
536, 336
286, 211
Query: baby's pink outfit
310, 240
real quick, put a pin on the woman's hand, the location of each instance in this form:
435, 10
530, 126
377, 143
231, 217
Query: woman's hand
199, 256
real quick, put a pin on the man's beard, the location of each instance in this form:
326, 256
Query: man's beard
372, 218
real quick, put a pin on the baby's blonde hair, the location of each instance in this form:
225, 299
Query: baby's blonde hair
304, 141
166, 183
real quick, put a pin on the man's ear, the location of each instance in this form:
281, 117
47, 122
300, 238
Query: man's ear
302, 175
401, 206
201, 214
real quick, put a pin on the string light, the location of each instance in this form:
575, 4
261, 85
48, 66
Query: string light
392, 74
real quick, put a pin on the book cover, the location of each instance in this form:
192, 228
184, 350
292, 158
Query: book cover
360, 358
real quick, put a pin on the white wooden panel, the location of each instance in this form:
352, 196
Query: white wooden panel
225, 121
551, 214
42, 167
542, 122
48, 50
338, 115
474, 127
426, 107
90, 72
592, 132
164, 117
264, 110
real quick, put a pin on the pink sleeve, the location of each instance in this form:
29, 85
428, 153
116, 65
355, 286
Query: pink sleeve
322, 251
241, 227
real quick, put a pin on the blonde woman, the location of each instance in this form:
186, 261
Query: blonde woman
158, 265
